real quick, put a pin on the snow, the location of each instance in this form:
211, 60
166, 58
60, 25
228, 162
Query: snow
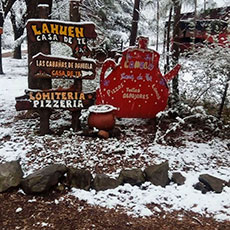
101, 108
68, 23
18, 210
19, 140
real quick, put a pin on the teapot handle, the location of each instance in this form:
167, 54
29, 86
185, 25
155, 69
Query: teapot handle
109, 63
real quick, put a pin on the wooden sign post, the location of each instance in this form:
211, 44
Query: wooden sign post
44, 67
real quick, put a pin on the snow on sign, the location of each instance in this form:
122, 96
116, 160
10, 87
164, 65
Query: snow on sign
46, 66
72, 34
135, 86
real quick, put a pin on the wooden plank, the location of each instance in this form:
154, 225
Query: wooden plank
46, 66
55, 99
73, 34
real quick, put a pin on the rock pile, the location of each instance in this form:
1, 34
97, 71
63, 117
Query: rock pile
54, 175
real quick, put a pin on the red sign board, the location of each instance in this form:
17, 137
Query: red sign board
135, 86
46, 66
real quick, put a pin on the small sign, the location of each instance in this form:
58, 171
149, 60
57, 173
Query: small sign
45, 66
55, 99
135, 86
72, 34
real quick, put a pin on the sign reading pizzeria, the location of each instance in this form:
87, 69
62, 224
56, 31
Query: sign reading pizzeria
73, 34
55, 99
60, 99
46, 66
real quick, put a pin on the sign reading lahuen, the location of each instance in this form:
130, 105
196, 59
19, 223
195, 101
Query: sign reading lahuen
73, 34
45, 66
55, 99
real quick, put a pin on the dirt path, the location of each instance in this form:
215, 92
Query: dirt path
51, 211
10, 53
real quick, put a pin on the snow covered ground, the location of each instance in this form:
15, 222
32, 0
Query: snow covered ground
19, 139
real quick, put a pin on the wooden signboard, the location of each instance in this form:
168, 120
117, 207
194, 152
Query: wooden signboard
72, 34
55, 99
46, 66
135, 86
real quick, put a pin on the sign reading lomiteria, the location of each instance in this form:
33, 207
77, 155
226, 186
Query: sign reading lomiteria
60, 99
73, 34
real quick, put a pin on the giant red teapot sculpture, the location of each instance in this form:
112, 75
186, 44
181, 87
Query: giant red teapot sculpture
135, 86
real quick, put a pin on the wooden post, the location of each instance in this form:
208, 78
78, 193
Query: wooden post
74, 11
175, 48
75, 17
33, 49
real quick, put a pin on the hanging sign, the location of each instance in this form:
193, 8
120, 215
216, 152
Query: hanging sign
135, 86
55, 99
46, 66
72, 34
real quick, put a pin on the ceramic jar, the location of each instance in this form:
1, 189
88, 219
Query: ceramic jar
102, 117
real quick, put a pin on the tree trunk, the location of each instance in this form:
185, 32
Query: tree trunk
18, 32
194, 21
175, 48
223, 98
1, 69
76, 17
136, 10
168, 40
158, 19
1, 25
17, 52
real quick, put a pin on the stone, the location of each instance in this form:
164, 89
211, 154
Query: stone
103, 182
79, 178
44, 179
158, 174
132, 176
103, 134
116, 132
228, 184
228, 146
215, 184
88, 133
201, 187
178, 178
10, 175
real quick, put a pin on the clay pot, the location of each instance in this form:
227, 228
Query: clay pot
102, 117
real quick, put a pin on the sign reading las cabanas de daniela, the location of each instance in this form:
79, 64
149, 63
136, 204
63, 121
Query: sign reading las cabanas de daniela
46, 66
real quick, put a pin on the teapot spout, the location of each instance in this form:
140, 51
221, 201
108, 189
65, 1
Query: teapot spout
171, 74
